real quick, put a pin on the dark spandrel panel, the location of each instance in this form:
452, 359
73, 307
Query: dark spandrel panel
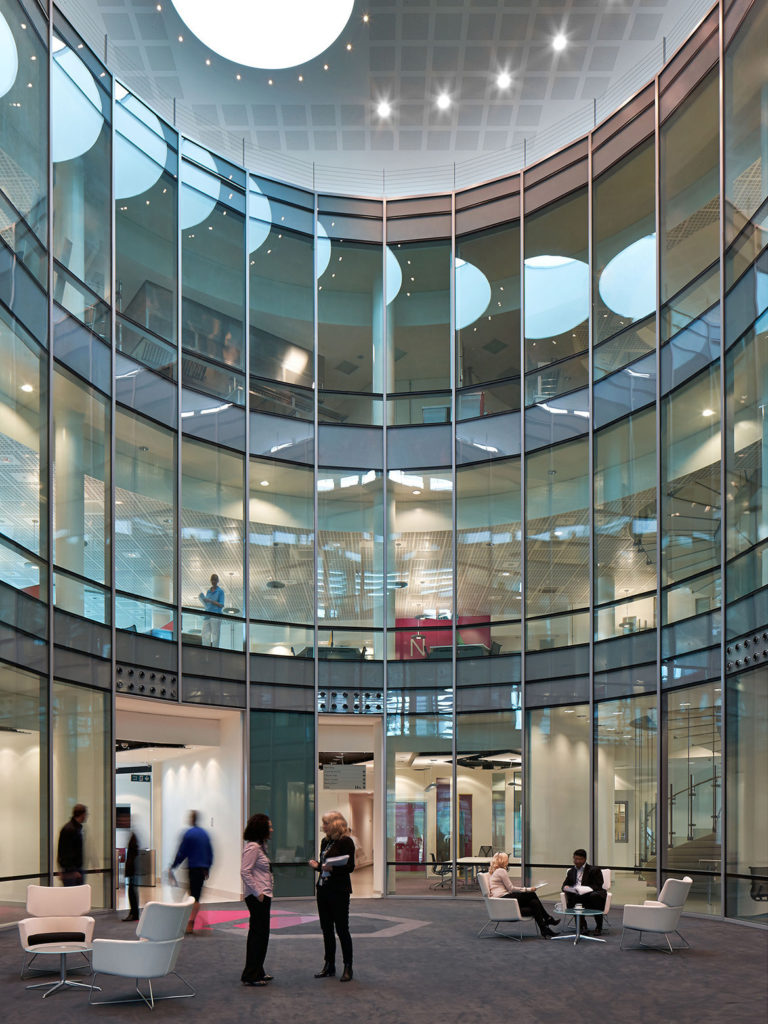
22, 295
144, 391
23, 649
23, 611
81, 351
555, 663
626, 391
293, 440
620, 682
426, 675
133, 649
492, 437
557, 420
625, 651
747, 615
408, 447
268, 697
79, 667
498, 696
212, 662
348, 676
80, 634
212, 420
555, 692
211, 690
687, 669
498, 670
268, 671
350, 446
692, 634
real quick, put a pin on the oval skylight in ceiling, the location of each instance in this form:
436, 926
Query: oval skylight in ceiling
266, 34
473, 293
76, 117
9, 57
140, 146
628, 283
556, 295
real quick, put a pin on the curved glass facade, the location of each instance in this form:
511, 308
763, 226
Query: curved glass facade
484, 468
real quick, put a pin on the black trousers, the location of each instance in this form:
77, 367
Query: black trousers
133, 896
530, 906
333, 910
590, 901
258, 937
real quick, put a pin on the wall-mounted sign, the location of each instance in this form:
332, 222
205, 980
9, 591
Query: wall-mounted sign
344, 776
141, 778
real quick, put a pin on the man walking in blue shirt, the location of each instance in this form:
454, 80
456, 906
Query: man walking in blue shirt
213, 602
196, 850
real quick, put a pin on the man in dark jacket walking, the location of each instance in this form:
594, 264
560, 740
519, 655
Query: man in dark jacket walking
70, 851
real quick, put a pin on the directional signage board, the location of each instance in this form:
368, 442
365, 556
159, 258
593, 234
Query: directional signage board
344, 776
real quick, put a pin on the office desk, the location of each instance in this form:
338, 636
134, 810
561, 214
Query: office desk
469, 866
443, 652
332, 653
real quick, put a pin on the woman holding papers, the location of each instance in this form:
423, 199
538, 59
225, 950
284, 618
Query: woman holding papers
500, 886
256, 873
334, 888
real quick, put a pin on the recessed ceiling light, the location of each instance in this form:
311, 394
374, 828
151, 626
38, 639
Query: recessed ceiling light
208, 61
559, 43
181, 39
708, 412
264, 483
415, 492
443, 101
349, 46
384, 109
27, 387
504, 80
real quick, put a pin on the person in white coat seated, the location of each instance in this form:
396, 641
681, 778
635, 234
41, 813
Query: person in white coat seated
500, 887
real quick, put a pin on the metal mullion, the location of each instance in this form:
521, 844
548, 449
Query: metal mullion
454, 573
111, 510
315, 509
723, 476
524, 852
661, 799
593, 801
179, 435
385, 544
245, 794
49, 460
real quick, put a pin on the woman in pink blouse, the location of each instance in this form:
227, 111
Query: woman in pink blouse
256, 873
500, 885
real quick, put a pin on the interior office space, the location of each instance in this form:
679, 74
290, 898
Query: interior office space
476, 452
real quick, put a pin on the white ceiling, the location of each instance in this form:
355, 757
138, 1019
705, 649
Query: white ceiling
408, 52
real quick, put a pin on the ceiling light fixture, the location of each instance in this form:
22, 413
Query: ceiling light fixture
262, 35
707, 412
559, 43
443, 101
384, 109
504, 80
27, 387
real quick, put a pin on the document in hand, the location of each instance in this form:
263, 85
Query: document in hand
540, 885
336, 862
580, 889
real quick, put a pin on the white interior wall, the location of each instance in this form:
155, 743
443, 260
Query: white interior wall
19, 802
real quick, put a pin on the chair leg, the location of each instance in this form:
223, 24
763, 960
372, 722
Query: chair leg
150, 1002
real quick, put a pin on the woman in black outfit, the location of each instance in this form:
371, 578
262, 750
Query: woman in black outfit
334, 889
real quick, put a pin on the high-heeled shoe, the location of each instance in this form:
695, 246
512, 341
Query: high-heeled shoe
347, 975
328, 971
547, 933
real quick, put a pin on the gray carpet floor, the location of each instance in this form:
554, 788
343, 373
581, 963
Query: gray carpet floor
421, 962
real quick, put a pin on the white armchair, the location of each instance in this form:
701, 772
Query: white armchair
500, 909
660, 916
58, 914
607, 882
160, 933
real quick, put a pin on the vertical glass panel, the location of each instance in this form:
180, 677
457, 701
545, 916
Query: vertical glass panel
488, 782
419, 792
350, 311
80, 484
488, 545
747, 706
747, 458
694, 778
746, 130
420, 573
213, 277
625, 524
690, 209
626, 734
418, 317
624, 264
283, 787
212, 541
349, 548
80, 151
82, 768
558, 765
690, 479
487, 285
146, 172
23, 125
556, 298
557, 537
281, 550
24, 760
145, 502
280, 264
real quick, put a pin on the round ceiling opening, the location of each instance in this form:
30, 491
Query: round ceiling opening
266, 34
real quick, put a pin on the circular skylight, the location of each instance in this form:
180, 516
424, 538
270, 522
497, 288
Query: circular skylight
9, 64
76, 118
140, 146
628, 283
556, 295
473, 293
268, 33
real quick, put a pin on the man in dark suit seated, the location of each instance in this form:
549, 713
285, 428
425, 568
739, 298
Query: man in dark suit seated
585, 874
